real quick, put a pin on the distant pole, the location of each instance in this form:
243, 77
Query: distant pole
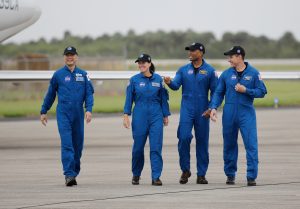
125, 52
276, 102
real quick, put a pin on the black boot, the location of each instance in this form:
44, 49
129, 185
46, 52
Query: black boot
135, 180
156, 182
201, 180
185, 177
70, 181
251, 182
230, 180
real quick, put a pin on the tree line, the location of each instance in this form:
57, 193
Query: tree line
160, 44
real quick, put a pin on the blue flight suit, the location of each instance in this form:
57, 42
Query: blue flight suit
151, 106
239, 114
195, 90
73, 89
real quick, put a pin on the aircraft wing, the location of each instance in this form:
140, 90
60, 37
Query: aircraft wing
27, 75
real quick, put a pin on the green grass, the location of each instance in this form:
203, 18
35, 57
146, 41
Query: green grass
20, 108
286, 91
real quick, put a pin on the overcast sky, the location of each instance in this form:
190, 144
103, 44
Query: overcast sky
96, 17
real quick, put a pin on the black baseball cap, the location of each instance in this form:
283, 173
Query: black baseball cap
143, 58
236, 50
196, 46
70, 50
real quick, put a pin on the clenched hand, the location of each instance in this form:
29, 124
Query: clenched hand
88, 117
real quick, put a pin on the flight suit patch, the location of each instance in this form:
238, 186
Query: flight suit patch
248, 78
190, 72
203, 72
67, 79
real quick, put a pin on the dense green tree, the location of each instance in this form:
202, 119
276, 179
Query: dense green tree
160, 44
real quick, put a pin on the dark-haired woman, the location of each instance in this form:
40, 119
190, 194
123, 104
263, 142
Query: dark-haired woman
150, 114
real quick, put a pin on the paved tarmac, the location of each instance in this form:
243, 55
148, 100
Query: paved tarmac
31, 173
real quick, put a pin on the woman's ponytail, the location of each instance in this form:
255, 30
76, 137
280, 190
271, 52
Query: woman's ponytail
152, 68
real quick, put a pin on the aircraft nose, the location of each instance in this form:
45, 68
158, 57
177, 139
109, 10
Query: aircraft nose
24, 14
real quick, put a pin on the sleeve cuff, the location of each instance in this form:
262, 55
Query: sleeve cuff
171, 84
127, 113
89, 109
167, 114
213, 107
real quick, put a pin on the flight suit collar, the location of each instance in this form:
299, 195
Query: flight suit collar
245, 71
151, 78
67, 69
201, 67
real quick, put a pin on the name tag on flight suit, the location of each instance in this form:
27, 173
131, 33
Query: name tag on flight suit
155, 84
79, 77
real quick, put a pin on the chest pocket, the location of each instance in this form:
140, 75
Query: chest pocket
202, 75
80, 83
139, 88
247, 81
232, 80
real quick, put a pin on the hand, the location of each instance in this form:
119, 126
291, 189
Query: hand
44, 119
88, 117
240, 88
213, 115
166, 121
167, 80
206, 114
126, 121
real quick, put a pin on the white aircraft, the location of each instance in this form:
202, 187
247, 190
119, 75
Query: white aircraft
16, 15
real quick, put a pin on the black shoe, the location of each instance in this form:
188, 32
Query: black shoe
156, 182
230, 180
135, 180
185, 177
201, 180
251, 182
70, 181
